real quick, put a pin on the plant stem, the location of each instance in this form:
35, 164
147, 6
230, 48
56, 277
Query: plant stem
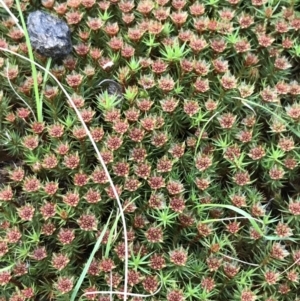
40, 108
39, 105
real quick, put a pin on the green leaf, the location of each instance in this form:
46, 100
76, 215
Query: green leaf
95, 249
252, 220
291, 128
174, 52
6, 268
107, 101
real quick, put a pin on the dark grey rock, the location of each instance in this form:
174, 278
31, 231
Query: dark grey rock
112, 87
49, 36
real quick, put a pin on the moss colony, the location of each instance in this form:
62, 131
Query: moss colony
201, 141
